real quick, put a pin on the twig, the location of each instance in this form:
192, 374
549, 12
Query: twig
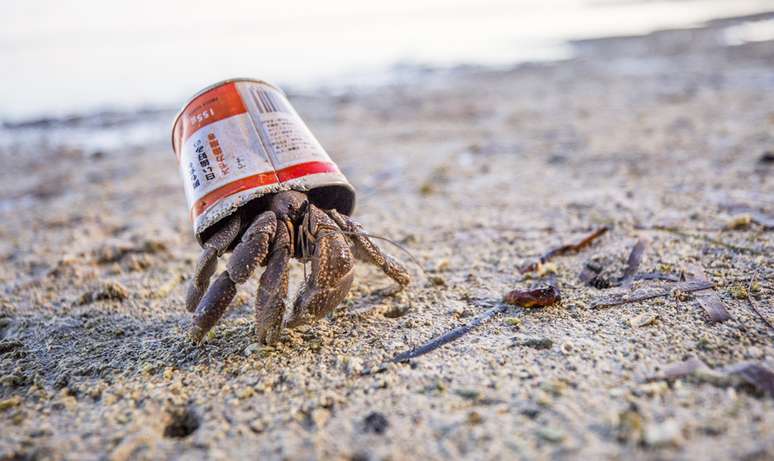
635, 258
450, 336
564, 249
752, 303
685, 286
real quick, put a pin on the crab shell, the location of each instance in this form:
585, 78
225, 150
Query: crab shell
238, 141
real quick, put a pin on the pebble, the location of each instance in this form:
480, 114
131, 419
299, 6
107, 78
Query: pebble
662, 434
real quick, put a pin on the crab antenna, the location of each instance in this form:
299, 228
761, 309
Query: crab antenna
393, 242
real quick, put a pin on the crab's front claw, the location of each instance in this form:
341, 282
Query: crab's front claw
332, 270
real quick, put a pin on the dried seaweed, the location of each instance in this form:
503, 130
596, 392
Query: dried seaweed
635, 297
710, 301
752, 303
633, 263
535, 297
564, 249
450, 336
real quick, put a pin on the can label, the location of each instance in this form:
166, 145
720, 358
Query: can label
240, 140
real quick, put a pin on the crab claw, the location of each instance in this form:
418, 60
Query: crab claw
332, 269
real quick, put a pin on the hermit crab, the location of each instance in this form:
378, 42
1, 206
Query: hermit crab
293, 227
260, 185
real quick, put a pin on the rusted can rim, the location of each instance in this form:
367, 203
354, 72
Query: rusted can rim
210, 87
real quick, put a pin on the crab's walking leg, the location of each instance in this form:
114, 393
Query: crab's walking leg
250, 252
332, 269
208, 261
273, 288
366, 250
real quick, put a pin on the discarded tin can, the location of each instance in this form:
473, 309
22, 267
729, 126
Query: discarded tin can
240, 139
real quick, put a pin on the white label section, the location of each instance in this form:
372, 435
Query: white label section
284, 135
220, 153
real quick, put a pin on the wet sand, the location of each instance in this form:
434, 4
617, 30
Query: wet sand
475, 173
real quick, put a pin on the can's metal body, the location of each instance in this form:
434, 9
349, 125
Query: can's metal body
239, 140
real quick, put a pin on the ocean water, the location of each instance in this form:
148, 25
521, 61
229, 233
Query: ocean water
74, 57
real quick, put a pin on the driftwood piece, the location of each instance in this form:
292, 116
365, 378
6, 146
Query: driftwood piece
709, 301
627, 298
564, 249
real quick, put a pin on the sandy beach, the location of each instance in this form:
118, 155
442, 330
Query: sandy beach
666, 138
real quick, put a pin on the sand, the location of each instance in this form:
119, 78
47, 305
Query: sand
476, 171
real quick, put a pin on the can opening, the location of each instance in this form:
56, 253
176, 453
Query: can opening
338, 197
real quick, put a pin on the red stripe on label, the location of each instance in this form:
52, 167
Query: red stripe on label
304, 169
258, 180
215, 104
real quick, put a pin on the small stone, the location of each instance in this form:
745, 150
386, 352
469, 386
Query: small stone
546, 269
474, 418
14, 401
739, 292
375, 423
513, 321
667, 433
252, 349
742, 221
320, 416
642, 320
534, 342
469, 394
437, 280
551, 434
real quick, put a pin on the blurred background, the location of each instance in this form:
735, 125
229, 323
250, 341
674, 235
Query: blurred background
65, 58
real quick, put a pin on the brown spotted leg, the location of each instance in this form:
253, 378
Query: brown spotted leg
273, 288
248, 254
332, 269
366, 250
208, 261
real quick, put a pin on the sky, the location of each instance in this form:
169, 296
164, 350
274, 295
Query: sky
69, 57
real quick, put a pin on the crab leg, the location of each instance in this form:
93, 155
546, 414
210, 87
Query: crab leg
332, 269
208, 261
250, 252
366, 250
273, 287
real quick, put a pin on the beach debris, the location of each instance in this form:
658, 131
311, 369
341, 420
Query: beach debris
591, 275
633, 263
753, 306
666, 433
709, 300
766, 158
375, 423
535, 297
303, 211
550, 434
751, 373
738, 222
644, 319
535, 342
627, 298
663, 276
450, 336
564, 249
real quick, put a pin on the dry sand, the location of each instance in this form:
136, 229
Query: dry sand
476, 173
